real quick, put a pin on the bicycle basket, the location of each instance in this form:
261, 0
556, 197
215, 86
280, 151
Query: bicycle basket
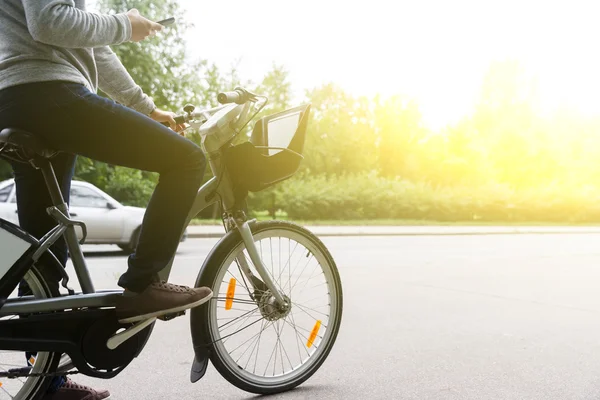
273, 153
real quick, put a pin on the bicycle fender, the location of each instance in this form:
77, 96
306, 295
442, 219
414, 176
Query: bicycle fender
200, 338
200, 364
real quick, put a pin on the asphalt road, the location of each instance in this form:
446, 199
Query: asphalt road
455, 317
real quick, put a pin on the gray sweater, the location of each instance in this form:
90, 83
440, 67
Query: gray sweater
57, 40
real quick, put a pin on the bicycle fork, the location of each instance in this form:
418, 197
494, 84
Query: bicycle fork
267, 282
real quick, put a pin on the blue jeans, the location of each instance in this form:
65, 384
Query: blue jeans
71, 119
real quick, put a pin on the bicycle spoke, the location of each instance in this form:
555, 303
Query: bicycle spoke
251, 263
283, 349
6, 370
226, 319
286, 344
241, 316
290, 256
275, 359
235, 300
243, 279
242, 321
289, 269
269, 362
303, 269
298, 342
236, 283
298, 327
251, 338
307, 313
311, 277
272, 271
234, 309
257, 350
6, 391
314, 287
272, 264
238, 331
256, 343
305, 338
304, 302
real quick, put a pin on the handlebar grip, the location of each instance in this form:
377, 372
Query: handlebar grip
230, 97
180, 119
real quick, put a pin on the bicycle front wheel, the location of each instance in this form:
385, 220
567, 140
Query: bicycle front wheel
253, 344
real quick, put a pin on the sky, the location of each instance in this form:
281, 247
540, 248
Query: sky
434, 51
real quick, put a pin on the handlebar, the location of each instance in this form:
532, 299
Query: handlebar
237, 96
180, 119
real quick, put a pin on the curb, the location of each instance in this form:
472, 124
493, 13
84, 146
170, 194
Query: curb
212, 233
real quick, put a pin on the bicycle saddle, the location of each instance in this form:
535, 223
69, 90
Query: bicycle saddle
23, 146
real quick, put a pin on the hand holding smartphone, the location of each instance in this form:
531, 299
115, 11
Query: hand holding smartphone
167, 22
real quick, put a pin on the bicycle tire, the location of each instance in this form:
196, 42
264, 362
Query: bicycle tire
35, 388
201, 316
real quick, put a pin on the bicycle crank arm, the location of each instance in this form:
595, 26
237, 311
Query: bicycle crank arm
65, 364
120, 338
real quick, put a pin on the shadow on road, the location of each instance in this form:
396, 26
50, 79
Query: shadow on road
309, 391
112, 253
108, 253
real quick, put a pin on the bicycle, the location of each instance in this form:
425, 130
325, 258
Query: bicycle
262, 297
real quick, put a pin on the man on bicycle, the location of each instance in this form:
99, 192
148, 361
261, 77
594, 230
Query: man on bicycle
54, 55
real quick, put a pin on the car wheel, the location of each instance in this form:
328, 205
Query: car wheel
133, 242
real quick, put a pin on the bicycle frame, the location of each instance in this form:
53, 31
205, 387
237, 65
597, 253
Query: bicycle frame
85, 326
217, 188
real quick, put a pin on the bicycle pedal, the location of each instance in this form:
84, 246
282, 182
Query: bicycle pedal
168, 317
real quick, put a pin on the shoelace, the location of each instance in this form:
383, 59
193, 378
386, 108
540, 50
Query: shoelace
72, 385
172, 287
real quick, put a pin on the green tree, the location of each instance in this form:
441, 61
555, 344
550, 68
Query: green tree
506, 122
159, 66
5, 170
277, 87
400, 131
341, 136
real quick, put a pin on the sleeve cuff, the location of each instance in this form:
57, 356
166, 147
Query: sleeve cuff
125, 24
145, 107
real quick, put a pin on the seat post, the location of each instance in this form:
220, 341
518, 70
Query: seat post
50, 178
58, 201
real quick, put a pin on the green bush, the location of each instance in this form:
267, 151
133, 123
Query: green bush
370, 196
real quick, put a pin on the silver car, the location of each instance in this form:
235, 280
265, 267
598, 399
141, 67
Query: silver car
107, 220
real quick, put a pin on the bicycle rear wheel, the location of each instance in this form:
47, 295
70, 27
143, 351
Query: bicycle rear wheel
255, 346
30, 387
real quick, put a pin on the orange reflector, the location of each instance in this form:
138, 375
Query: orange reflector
230, 294
31, 360
0, 384
313, 334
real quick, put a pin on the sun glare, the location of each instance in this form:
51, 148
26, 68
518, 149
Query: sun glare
435, 51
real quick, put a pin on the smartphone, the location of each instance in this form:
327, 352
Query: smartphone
167, 22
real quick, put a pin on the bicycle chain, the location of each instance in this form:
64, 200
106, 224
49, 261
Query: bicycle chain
21, 373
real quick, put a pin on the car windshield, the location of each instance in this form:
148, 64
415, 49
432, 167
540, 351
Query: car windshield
85, 197
5, 192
